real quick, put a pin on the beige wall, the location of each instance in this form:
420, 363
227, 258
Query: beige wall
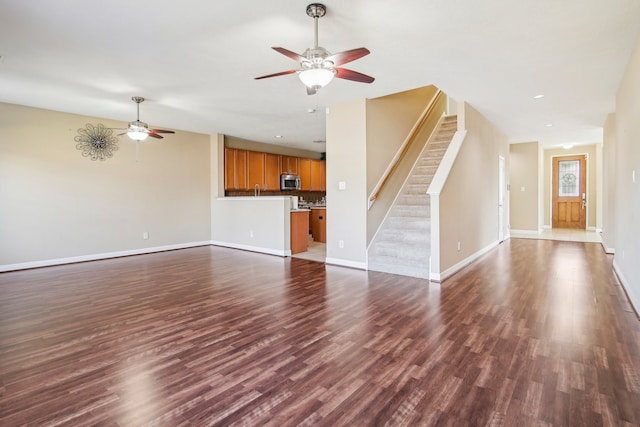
347, 209
626, 180
389, 121
245, 144
469, 199
57, 204
592, 153
523, 178
609, 195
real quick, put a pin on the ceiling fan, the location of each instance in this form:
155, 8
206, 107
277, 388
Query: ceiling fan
317, 65
139, 131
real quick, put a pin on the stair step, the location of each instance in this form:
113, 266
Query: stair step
402, 251
400, 236
390, 265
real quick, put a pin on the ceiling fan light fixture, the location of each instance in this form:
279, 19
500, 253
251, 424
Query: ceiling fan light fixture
316, 77
138, 131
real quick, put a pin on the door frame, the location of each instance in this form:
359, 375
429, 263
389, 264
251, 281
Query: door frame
586, 166
502, 194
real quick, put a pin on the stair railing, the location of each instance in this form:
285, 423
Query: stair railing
403, 149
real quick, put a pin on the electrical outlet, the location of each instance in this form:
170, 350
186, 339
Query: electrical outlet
145, 235
341, 244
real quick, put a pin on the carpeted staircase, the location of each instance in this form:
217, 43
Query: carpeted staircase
403, 242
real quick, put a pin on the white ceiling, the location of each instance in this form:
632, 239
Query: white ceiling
195, 61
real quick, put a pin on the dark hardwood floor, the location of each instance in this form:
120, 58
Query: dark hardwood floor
535, 333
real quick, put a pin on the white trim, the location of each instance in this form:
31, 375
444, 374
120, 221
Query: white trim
546, 227
633, 299
446, 164
268, 251
592, 229
345, 263
96, 257
459, 266
608, 250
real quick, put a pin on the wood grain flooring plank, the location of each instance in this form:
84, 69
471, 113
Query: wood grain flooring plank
535, 333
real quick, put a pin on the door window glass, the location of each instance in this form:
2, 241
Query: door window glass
568, 178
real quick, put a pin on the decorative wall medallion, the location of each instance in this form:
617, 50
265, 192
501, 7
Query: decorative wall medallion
96, 142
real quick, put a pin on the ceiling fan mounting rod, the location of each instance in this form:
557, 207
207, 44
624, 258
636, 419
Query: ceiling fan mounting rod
137, 100
315, 11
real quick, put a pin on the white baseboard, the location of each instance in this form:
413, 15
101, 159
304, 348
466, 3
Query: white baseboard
268, 251
607, 250
633, 298
460, 265
95, 257
346, 263
545, 227
591, 229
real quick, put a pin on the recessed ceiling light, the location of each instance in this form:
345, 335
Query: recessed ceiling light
538, 96
278, 136
549, 125
567, 146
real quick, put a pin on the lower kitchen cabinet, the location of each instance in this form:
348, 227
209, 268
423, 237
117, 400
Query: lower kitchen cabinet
299, 231
319, 224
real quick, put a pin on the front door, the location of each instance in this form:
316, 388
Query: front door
569, 192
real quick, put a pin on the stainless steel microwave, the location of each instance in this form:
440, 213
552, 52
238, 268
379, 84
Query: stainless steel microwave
289, 182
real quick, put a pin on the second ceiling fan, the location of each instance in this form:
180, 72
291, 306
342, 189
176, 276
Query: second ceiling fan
317, 65
138, 130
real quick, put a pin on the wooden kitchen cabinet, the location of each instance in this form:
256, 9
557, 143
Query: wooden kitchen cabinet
312, 175
289, 165
304, 170
318, 222
271, 172
235, 169
318, 175
255, 170
299, 231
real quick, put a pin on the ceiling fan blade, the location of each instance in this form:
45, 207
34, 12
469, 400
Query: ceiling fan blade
343, 73
155, 135
311, 90
160, 131
281, 73
347, 56
290, 54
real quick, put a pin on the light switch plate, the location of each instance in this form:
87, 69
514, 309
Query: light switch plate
342, 185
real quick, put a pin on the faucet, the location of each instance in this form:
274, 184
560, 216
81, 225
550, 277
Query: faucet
256, 190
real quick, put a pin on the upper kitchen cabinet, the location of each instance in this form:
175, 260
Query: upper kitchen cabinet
318, 180
290, 165
304, 170
255, 170
263, 170
271, 172
312, 175
235, 169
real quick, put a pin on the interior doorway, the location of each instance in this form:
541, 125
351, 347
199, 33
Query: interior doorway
569, 192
